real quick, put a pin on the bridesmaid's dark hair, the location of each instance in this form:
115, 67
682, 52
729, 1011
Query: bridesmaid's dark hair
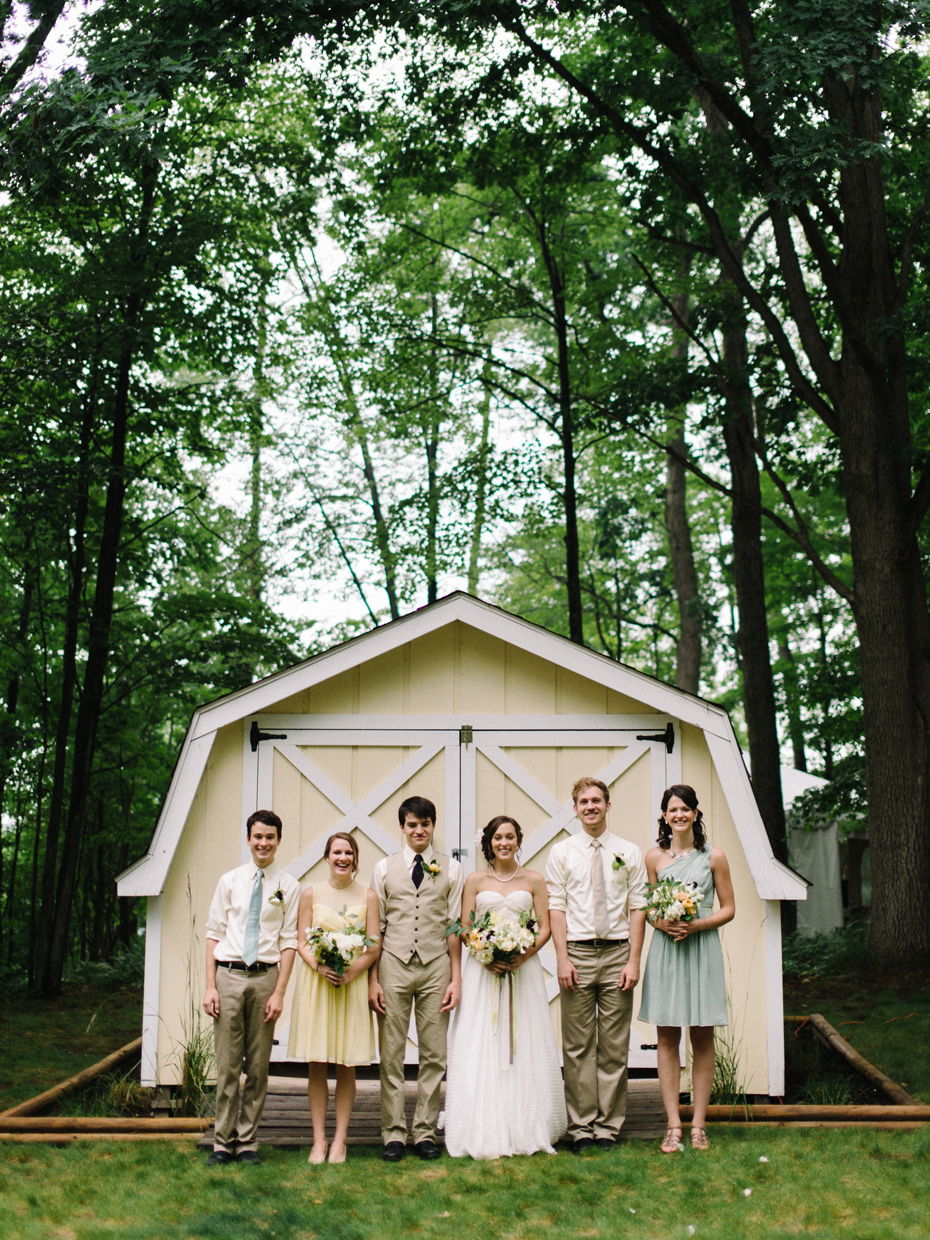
687, 794
491, 830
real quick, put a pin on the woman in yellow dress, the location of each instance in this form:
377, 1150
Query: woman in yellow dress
331, 1022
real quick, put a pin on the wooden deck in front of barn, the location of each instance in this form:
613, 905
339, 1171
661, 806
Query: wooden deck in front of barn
286, 1120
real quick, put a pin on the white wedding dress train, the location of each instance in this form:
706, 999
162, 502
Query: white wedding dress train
496, 1108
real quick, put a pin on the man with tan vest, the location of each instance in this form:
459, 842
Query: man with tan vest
597, 898
420, 894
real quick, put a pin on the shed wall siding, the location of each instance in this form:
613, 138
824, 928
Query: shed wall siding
209, 846
743, 939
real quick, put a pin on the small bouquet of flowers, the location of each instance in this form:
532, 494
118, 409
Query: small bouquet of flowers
670, 900
496, 936
336, 950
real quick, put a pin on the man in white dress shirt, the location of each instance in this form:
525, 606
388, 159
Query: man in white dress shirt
420, 894
597, 898
251, 944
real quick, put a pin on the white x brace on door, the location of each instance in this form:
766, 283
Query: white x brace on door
477, 768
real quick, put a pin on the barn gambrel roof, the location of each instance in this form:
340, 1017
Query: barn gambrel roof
772, 879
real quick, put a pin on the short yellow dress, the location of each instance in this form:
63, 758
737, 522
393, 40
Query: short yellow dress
331, 1024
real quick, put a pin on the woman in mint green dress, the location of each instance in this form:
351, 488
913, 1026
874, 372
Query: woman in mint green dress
684, 983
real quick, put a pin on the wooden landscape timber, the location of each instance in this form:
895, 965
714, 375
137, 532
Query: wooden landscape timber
828, 1035
768, 1113
41, 1102
102, 1123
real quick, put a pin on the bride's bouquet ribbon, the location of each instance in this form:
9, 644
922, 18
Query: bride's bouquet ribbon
511, 1010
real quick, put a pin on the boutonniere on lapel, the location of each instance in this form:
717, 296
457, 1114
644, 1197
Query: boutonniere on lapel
277, 898
618, 862
432, 868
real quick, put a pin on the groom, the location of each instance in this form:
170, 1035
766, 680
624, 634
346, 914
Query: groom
419, 893
597, 898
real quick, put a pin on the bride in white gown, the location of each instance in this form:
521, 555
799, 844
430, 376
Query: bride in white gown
504, 1090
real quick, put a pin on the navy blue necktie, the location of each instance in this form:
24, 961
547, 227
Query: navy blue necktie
418, 871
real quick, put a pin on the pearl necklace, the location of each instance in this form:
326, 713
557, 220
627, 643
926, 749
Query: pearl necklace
686, 853
505, 880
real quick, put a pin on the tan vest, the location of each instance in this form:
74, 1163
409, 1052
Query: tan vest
416, 920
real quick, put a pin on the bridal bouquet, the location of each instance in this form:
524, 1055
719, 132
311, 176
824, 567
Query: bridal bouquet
336, 950
496, 936
670, 900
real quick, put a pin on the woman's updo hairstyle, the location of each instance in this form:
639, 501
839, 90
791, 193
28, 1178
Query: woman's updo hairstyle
491, 830
687, 794
353, 843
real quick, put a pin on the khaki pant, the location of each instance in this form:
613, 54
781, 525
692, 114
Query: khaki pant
595, 1041
243, 1044
421, 987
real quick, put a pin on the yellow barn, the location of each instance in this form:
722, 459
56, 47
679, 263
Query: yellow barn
484, 713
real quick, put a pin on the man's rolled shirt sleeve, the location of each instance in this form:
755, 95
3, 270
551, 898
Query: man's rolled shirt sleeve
456, 887
637, 898
288, 935
555, 881
218, 916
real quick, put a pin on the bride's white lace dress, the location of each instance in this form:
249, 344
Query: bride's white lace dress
495, 1107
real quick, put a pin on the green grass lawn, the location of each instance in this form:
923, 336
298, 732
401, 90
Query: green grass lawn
871, 1186
44, 1041
888, 1026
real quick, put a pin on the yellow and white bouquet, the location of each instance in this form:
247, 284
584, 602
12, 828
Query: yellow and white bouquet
335, 949
671, 900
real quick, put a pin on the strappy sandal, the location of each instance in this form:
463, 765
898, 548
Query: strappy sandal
699, 1139
672, 1141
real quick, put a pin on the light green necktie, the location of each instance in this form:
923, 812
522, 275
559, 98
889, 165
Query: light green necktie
250, 944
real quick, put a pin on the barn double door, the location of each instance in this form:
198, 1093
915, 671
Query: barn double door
328, 773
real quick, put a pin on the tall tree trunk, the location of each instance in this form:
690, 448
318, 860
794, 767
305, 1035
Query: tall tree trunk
431, 444
253, 548
826, 741
314, 288
69, 673
51, 963
894, 643
477, 528
739, 434
567, 439
789, 678
678, 530
10, 739
749, 581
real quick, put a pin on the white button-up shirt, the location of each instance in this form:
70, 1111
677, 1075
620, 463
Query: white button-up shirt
568, 876
229, 912
456, 880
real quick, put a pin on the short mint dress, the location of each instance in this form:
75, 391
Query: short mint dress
685, 983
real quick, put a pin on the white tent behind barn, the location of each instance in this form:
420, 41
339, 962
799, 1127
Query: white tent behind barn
484, 713
814, 851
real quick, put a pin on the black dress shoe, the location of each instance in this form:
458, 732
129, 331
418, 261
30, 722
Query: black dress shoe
248, 1156
428, 1149
218, 1157
605, 1143
394, 1151
582, 1144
